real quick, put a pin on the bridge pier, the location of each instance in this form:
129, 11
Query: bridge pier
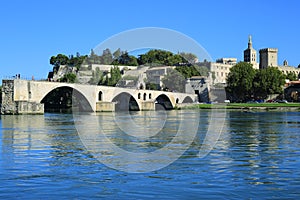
111, 106
105, 106
147, 105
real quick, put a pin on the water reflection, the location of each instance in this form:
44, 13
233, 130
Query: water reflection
256, 156
21, 135
127, 144
256, 145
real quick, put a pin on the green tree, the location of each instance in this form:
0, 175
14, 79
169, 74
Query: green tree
191, 58
268, 81
174, 81
193, 70
202, 70
126, 59
76, 61
144, 59
106, 57
58, 60
240, 81
186, 71
174, 60
155, 56
97, 77
69, 78
152, 86
93, 58
115, 76
291, 76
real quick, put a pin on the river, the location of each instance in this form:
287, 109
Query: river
255, 156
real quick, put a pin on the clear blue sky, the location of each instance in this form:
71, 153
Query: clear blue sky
33, 31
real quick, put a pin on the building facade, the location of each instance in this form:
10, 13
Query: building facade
250, 54
268, 57
286, 69
156, 74
198, 85
219, 69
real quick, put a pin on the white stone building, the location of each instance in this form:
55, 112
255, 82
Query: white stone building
219, 69
250, 54
268, 57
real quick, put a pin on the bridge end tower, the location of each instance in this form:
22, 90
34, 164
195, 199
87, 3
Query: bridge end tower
10, 103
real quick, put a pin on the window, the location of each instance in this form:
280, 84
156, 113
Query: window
149, 95
139, 96
145, 95
100, 96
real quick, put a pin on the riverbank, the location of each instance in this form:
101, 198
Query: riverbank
247, 106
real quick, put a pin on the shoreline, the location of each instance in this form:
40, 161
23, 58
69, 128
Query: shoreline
245, 107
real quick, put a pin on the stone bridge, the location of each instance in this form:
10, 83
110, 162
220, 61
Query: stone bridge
23, 96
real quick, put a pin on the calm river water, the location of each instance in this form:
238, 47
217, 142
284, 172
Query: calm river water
257, 156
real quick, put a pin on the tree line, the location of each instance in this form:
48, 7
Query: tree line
184, 62
154, 57
245, 83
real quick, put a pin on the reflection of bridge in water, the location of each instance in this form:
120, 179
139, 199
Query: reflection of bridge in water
22, 96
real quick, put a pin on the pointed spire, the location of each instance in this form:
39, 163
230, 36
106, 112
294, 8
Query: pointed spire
250, 42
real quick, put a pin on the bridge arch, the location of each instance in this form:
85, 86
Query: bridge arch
163, 102
187, 99
125, 101
65, 98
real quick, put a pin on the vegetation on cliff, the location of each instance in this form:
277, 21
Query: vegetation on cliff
184, 62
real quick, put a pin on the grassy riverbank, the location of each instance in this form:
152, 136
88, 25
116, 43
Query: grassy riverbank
248, 106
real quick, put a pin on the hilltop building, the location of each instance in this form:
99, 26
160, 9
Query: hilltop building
250, 54
219, 69
286, 69
268, 57
156, 74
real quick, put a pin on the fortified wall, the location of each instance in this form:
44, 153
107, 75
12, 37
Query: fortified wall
10, 106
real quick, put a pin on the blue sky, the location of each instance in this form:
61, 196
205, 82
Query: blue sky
33, 31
